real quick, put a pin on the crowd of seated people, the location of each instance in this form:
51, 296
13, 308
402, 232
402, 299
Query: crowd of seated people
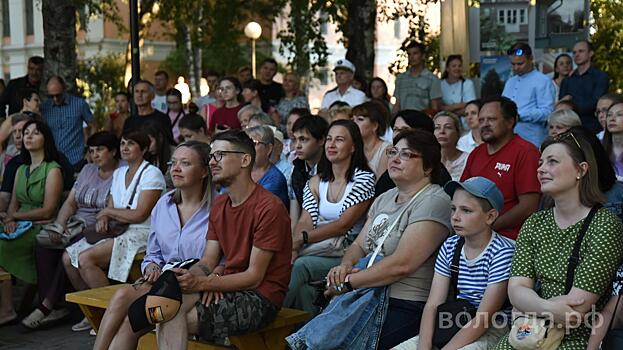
391, 217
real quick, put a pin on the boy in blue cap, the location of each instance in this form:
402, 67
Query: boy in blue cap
483, 270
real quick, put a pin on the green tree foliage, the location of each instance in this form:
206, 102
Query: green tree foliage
99, 78
608, 39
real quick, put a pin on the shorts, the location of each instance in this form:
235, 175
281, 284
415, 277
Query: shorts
237, 313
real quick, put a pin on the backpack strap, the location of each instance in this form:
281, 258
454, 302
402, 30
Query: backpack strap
454, 268
574, 259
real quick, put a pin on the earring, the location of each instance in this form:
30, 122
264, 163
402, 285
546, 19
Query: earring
578, 177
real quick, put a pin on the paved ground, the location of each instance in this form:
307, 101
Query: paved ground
55, 337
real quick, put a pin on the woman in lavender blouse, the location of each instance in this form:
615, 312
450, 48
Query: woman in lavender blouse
179, 223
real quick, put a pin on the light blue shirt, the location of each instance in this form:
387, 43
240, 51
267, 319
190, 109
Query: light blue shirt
168, 241
534, 94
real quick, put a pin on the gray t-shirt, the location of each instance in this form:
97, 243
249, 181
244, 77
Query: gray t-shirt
91, 193
431, 205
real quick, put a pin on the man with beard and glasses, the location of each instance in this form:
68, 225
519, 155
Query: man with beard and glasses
249, 240
509, 161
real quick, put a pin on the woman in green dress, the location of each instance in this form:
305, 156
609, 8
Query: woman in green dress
569, 180
36, 196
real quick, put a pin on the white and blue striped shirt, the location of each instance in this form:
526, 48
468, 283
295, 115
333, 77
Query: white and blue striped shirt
492, 266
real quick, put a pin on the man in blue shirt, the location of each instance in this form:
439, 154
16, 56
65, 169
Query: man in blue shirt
66, 115
533, 93
585, 85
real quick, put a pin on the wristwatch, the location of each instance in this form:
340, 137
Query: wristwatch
305, 237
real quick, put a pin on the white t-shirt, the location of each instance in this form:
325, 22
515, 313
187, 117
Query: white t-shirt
467, 143
151, 179
160, 103
352, 96
461, 91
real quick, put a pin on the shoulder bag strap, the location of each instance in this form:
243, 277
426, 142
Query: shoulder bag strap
138, 180
389, 229
454, 268
574, 259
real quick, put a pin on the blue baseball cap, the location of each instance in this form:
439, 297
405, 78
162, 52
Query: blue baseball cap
480, 187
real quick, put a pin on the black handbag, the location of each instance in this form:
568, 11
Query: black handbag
461, 310
614, 338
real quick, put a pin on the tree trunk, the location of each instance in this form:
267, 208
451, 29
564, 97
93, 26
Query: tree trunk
359, 32
59, 44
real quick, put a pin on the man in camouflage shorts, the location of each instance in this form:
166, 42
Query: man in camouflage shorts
239, 284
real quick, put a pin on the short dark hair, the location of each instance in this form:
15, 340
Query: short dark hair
414, 44
50, 153
137, 135
269, 60
476, 102
36, 60
161, 72
507, 106
212, 73
377, 114
244, 68
26, 94
193, 122
252, 84
301, 112
123, 93
240, 140
22, 117
106, 139
426, 144
316, 126
588, 43
174, 92
358, 158
232, 80
416, 120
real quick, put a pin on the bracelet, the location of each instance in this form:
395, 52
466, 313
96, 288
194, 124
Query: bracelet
305, 237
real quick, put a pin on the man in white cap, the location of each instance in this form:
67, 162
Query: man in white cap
344, 91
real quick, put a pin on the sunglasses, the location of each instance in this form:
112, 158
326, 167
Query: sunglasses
567, 135
517, 52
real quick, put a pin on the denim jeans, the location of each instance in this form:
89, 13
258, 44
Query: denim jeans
351, 321
401, 323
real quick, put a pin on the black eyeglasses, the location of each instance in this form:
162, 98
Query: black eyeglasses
218, 155
391, 152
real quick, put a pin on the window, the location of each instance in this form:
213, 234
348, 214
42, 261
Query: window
30, 26
522, 16
6, 24
511, 16
501, 17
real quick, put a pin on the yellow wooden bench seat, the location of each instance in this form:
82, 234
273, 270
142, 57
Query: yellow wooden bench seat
93, 303
5, 276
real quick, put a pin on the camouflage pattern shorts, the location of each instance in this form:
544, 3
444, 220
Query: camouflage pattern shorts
238, 313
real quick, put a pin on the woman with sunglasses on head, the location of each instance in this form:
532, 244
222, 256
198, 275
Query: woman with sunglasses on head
135, 189
455, 89
264, 172
569, 180
36, 196
334, 205
613, 137
417, 211
178, 226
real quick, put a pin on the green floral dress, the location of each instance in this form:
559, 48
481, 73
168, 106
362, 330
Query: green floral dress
18, 256
543, 251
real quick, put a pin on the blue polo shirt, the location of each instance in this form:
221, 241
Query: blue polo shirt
66, 120
586, 89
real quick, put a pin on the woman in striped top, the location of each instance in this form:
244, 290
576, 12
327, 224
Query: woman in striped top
334, 205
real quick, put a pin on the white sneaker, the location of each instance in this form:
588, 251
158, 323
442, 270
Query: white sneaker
92, 332
34, 319
83, 325
55, 315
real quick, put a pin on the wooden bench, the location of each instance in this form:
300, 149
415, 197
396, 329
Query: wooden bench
5, 276
93, 303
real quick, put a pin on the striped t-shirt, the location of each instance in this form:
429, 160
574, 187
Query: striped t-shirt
492, 266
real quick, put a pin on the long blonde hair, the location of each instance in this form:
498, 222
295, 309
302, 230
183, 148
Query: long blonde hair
203, 150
